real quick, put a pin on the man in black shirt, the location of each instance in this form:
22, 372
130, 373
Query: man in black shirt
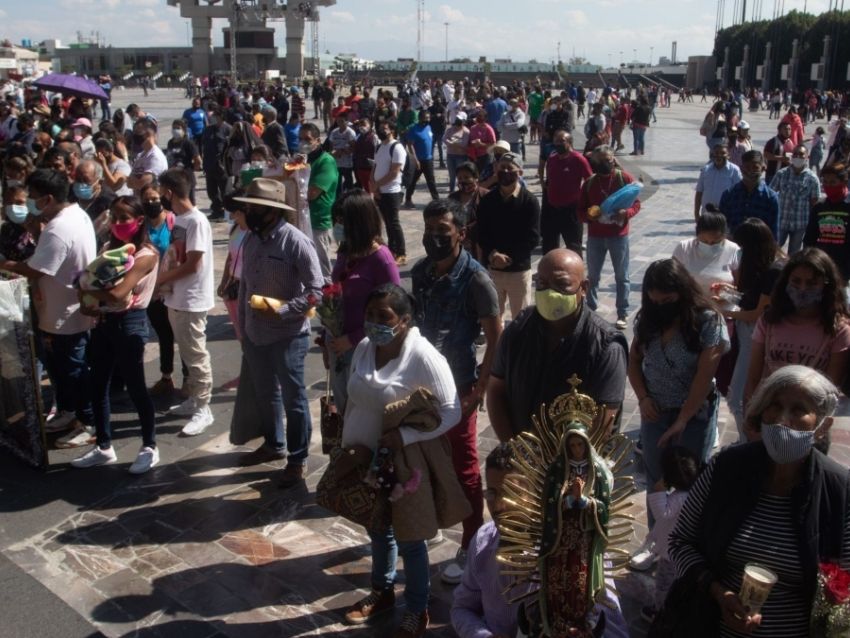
213, 142
273, 134
508, 230
550, 342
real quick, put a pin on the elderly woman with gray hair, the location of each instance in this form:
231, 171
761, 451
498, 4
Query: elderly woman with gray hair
778, 502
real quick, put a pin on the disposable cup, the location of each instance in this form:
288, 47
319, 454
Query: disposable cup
755, 586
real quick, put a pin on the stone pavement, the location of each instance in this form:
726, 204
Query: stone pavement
200, 548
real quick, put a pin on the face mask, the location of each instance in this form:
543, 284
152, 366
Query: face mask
553, 305
437, 247
177, 133
16, 213
560, 149
799, 162
507, 178
379, 334
305, 148
708, 251
467, 187
383, 135
12, 183
339, 233
553, 108
83, 191
604, 168
804, 298
836, 193
214, 120
256, 221
139, 139
166, 203
32, 207
126, 231
785, 445
458, 122
152, 209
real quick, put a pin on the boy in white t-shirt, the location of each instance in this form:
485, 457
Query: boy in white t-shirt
65, 247
190, 298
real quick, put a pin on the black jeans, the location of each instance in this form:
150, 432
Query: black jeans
389, 204
218, 185
557, 222
158, 316
346, 180
426, 168
118, 343
438, 144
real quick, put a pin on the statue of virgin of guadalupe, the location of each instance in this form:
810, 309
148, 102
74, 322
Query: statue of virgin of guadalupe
565, 519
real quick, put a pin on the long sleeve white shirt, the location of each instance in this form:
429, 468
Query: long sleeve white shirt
419, 365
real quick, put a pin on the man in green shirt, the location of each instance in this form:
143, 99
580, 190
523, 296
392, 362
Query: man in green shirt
321, 192
535, 108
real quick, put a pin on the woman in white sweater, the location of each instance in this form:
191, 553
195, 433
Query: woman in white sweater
392, 362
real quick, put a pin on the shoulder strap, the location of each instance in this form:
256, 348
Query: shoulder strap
169, 220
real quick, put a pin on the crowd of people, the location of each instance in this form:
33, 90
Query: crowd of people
314, 205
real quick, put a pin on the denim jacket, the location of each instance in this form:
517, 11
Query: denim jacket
444, 314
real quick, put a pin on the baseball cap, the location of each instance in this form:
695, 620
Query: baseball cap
461, 116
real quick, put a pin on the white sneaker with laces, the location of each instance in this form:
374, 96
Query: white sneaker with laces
643, 559
146, 459
95, 457
453, 573
200, 421
62, 421
187, 408
77, 437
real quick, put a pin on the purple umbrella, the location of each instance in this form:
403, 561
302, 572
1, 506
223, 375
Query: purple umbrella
71, 85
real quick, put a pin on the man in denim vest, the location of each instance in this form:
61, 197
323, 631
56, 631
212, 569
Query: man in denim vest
455, 299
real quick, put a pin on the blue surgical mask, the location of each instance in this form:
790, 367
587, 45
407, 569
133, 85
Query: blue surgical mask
32, 207
804, 298
16, 213
339, 233
83, 191
785, 445
380, 334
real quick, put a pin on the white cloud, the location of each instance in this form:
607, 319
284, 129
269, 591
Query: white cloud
450, 14
338, 16
576, 17
2, 13
143, 3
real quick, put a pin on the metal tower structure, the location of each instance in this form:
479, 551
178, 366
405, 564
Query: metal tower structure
420, 29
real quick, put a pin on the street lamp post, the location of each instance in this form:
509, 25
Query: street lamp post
651, 55
621, 58
447, 41
634, 55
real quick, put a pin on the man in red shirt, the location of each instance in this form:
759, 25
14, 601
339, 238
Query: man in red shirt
611, 237
565, 172
621, 118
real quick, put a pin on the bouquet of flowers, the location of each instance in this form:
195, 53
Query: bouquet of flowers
330, 309
831, 611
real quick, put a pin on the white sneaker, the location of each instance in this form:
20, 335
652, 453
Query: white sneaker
60, 422
643, 559
436, 540
200, 421
77, 437
187, 408
95, 457
146, 459
453, 573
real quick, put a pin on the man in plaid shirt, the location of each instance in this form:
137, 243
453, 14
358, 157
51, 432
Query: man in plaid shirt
799, 190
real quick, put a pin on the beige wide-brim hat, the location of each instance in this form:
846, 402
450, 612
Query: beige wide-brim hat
265, 192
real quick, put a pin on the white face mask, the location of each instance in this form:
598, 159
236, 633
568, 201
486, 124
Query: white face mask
709, 250
799, 162
785, 445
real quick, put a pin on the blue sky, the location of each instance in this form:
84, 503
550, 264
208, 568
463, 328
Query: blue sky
386, 29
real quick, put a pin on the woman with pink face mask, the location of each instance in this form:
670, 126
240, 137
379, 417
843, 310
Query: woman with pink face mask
118, 340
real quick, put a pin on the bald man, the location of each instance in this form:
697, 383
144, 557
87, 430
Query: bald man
549, 342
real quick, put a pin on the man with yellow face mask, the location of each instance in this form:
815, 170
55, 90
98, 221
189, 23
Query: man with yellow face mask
549, 342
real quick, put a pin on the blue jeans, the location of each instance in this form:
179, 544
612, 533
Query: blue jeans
417, 581
639, 133
65, 360
597, 248
278, 373
118, 342
697, 437
794, 237
452, 162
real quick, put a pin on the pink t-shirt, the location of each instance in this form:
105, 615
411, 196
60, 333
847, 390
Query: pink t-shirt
483, 132
798, 341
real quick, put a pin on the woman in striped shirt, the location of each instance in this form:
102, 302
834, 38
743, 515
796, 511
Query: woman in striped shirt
778, 502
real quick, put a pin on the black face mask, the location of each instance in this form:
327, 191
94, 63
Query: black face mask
165, 202
560, 148
437, 247
383, 135
660, 314
507, 178
152, 209
603, 168
256, 221
139, 140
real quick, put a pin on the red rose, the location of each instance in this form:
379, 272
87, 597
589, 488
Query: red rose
836, 583
311, 299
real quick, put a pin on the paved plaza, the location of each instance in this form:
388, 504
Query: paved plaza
199, 547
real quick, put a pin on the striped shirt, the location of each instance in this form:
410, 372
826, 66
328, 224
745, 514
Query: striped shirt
766, 537
796, 192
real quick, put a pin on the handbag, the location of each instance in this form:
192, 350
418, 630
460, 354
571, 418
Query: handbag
688, 611
342, 490
231, 290
330, 420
